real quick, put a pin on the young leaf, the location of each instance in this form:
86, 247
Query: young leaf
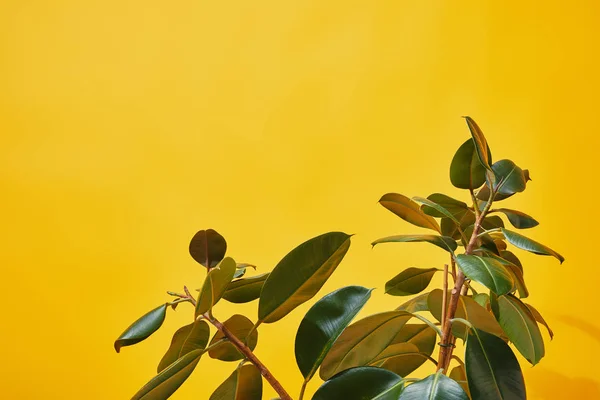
518, 219
408, 210
532, 246
241, 269
300, 275
442, 242
419, 335
459, 374
208, 247
163, 385
493, 371
246, 289
538, 317
410, 281
466, 171
188, 338
487, 271
245, 383
142, 328
481, 146
415, 304
241, 327
215, 284
324, 323
362, 383
435, 387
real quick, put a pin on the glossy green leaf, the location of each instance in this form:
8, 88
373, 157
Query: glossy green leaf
435, 387
492, 222
510, 178
532, 246
439, 209
518, 219
466, 171
511, 258
215, 284
246, 289
362, 342
449, 203
245, 383
208, 247
324, 323
519, 324
538, 317
415, 304
300, 275
483, 299
420, 335
241, 327
410, 281
241, 269
449, 227
400, 351
481, 147
484, 195
487, 271
163, 385
188, 338
493, 371
142, 328
362, 383
517, 273
459, 374
442, 242
408, 210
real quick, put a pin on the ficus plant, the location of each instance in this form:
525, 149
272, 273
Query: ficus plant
481, 303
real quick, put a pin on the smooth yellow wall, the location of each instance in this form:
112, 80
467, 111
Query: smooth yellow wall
126, 126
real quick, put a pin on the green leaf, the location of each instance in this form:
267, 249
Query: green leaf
442, 242
419, 335
517, 273
449, 203
459, 374
493, 371
511, 258
483, 299
188, 338
208, 247
484, 195
400, 351
362, 383
408, 210
449, 227
518, 219
142, 328
510, 178
466, 171
246, 289
532, 246
163, 385
300, 275
487, 271
538, 317
519, 324
241, 269
241, 327
245, 383
215, 284
362, 342
324, 323
435, 387
433, 206
481, 146
410, 281
415, 304
492, 222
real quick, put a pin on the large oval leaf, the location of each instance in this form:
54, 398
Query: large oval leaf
516, 271
215, 284
208, 247
408, 210
440, 210
362, 383
532, 246
410, 281
466, 171
510, 178
246, 289
362, 342
142, 328
324, 323
300, 275
241, 327
419, 335
519, 324
443, 242
245, 383
493, 371
487, 271
188, 338
415, 304
435, 387
163, 385
448, 203
518, 219
481, 147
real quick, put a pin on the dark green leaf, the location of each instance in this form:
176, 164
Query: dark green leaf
442, 242
538, 317
208, 247
188, 338
511, 258
484, 195
362, 383
415, 304
410, 281
246, 289
241, 327
215, 284
408, 210
420, 335
435, 387
435, 208
300, 275
510, 178
517, 273
532, 246
481, 146
466, 171
142, 328
487, 271
465, 219
492, 222
518, 219
245, 383
459, 374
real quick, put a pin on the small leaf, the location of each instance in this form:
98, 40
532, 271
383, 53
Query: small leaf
246, 289
208, 247
435, 387
416, 304
362, 383
487, 271
241, 327
163, 385
518, 219
493, 371
408, 210
481, 146
245, 383
538, 317
324, 323
459, 374
241, 269
142, 328
215, 284
419, 335
442, 242
483, 299
466, 171
188, 338
300, 275
532, 246
410, 281
510, 178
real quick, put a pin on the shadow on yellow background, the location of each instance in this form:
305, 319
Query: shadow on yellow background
126, 126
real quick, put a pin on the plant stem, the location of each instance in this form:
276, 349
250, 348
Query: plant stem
444, 295
302, 389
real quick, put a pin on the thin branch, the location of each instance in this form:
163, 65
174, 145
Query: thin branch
444, 295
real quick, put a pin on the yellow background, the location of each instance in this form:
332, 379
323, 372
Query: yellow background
126, 126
